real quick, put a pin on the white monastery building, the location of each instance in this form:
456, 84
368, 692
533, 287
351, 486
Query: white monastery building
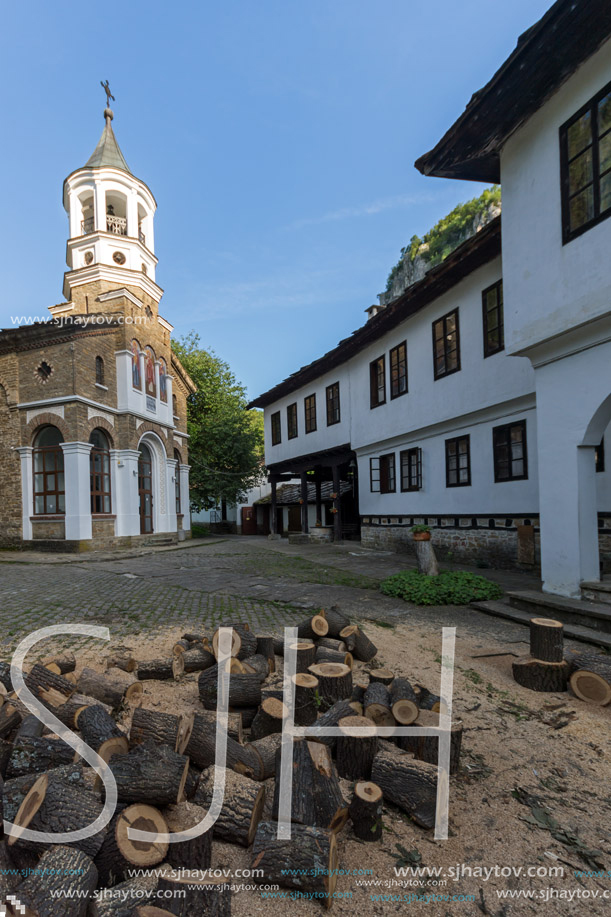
477, 401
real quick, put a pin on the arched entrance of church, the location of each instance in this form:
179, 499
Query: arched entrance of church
145, 489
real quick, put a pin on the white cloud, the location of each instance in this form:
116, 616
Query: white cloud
378, 206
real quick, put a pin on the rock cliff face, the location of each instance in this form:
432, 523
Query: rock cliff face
420, 256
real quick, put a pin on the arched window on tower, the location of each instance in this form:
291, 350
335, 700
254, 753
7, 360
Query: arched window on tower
48, 462
99, 472
163, 380
99, 371
175, 405
177, 480
149, 372
136, 380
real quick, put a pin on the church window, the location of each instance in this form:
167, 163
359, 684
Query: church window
175, 405
44, 371
99, 472
177, 480
163, 380
136, 380
48, 464
149, 371
99, 370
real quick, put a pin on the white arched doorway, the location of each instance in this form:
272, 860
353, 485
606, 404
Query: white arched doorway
152, 485
145, 489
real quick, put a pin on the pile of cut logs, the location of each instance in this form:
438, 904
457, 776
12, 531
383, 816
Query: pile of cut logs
549, 669
163, 767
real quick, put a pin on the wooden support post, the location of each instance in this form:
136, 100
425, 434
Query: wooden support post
318, 499
337, 520
304, 503
273, 521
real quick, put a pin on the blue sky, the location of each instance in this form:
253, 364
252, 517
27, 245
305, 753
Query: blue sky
278, 139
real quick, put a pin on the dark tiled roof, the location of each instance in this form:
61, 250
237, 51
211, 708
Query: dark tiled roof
472, 254
545, 56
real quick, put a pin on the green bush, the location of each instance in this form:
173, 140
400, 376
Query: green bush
198, 530
450, 588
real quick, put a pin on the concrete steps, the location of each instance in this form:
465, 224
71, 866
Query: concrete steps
597, 592
595, 615
520, 616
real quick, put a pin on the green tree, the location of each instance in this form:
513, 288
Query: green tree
226, 439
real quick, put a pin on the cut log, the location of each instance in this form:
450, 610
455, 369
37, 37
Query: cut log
152, 774
592, 682
546, 639
195, 638
325, 654
426, 748
305, 655
150, 910
242, 807
40, 677
269, 719
119, 901
195, 853
54, 805
33, 754
383, 676
403, 702
316, 797
201, 749
119, 855
332, 643
266, 752
358, 693
330, 718
537, 675
316, 626
101, 732
186, 896
336, 621
16, 789
64, 874
426, 558
161, 728
243, 642
29, 726
234, 725
348, 636
593, 662
308, 861
110, 690
305, 691
244, 690
356, 748
409, 784
364, 650
248, 714
68, 711
429, 701
161, 669
197, 659
279, 645
376, 705
5, 753
265, 647
365, 811
334, 681
180, 646
5, 675
65, 662
258, 664
122, 658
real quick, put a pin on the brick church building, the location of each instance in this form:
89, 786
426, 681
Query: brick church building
93, 442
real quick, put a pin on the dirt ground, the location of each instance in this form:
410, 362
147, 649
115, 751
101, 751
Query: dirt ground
533, 791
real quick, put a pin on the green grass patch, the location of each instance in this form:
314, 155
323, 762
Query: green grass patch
449, 588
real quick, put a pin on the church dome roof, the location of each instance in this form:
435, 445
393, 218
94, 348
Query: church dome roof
107, 152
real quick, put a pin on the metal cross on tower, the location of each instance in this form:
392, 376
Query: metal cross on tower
109, 94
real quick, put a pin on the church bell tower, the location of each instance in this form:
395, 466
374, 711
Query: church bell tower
111, 215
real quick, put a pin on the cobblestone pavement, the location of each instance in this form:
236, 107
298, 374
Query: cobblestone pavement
268, 584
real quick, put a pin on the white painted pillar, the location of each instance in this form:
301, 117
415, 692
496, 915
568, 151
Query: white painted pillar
27, 490
78, 490
99, 206
142, 372
125, 498
131, 213
157, 389
184, 497
171, 476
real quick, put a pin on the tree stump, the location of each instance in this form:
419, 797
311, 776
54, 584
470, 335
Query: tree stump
356, 748
161, 669
365, 811
376, 705
195, 853
409, 784
305, 655
426, 558
426, 748
336, 621
110, 690
265, 647
118, 854
101, 733
201, 749
161, 728
242, 807
308, 861
151, 774
199, 897
266, 749
538, 675
334, 681
55, 805
403, 702
305, 688
546, 639
269, 719
64, 874
330, 718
